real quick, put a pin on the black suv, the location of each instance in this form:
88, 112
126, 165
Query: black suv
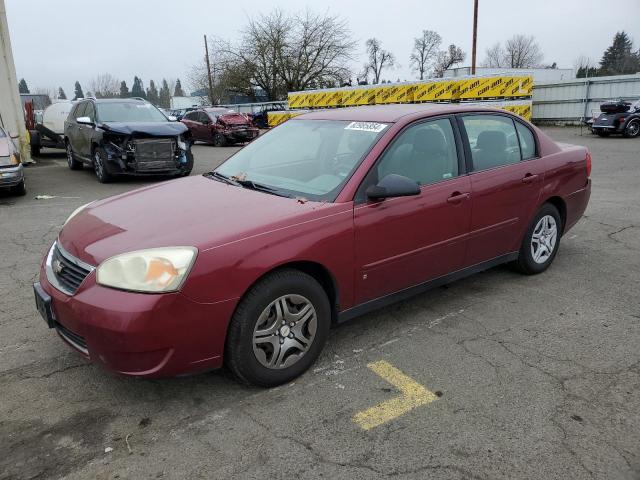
126, 136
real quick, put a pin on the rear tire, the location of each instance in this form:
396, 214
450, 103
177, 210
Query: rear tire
632, 129
541, 241
71, 158
261, 349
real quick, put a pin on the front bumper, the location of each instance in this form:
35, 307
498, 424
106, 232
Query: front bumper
11, 176
141, 335
242, 135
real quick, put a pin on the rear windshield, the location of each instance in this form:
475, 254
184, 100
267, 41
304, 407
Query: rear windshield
129, 112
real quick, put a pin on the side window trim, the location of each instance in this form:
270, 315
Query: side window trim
360, 197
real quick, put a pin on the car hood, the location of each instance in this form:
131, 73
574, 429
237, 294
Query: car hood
193, 211
161, 129
233, 119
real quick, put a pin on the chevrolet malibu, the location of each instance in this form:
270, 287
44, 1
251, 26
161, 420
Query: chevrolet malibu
324, 218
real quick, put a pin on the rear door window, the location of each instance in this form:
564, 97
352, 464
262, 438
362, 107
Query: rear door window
492, 139
527, 142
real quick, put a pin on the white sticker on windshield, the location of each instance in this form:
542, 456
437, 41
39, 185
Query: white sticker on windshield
366, 126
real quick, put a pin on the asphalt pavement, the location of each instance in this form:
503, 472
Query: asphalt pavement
498, 376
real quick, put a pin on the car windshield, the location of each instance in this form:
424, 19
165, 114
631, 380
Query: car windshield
129, 112
305, 158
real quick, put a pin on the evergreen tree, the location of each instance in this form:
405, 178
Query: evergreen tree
137, 90
152, 93
178, 92
124, 90
165, 95
619, 58
78, 91
61, 94
22, 86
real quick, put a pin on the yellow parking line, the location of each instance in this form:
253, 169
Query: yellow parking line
413, 395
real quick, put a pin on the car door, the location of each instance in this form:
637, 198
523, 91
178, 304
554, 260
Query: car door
190, 119
205, 126
85, 132
405, 241
73, 127
506, 177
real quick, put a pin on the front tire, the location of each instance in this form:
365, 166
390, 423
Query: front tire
19, 190
632, 129
541, 241
278, 330
99, 166
219, 140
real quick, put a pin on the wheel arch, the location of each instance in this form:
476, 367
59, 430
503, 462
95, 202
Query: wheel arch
318, 272
561, 206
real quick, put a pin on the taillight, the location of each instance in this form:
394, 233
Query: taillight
588, 163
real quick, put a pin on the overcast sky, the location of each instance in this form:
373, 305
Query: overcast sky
56, 42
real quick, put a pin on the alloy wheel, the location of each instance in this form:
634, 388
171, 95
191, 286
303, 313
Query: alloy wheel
98, 166
633, 129
543, 239
284, 331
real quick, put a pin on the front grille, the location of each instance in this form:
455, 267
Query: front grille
67, 270
73, 338
154, 155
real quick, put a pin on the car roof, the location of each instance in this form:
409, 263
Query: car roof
390, 113
116, 100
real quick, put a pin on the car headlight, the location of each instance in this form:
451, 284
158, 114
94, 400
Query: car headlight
153, 270
76, 211
182, 145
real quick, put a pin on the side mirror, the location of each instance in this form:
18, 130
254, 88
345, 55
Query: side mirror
84, 121
171, 118
393, 186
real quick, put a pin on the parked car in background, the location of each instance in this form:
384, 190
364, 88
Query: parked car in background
126, 137
50, 132
11, 169
260, 119
219, 126
618, 117
330, 215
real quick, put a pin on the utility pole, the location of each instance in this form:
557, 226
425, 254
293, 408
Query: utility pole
475, 37
206, 51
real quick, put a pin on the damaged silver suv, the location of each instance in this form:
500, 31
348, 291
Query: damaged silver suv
126, 137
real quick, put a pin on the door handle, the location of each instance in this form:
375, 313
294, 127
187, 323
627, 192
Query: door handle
457, 197
529, 178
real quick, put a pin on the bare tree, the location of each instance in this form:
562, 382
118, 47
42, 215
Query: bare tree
317, 52
105, 85
448, 58
495, 56
377, 59
425, 50
585, 67
280, 53
522, 51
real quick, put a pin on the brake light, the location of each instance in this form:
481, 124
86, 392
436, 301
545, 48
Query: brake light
588, 163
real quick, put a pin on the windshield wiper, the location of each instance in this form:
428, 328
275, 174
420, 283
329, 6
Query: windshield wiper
222, 178
250, 184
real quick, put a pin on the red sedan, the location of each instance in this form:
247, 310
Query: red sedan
219, 126
326, 217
